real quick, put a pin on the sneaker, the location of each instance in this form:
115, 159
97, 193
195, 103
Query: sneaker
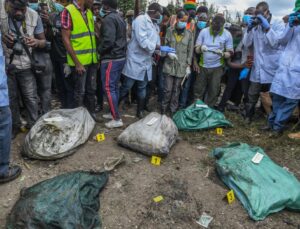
13, 173
114, 124
107, 116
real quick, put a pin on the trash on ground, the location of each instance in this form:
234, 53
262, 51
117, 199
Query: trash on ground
262, 188
153, 135
201, 147
58, 134
67, 201
113, 162
295, 136
205, 220
158, 199
198, 116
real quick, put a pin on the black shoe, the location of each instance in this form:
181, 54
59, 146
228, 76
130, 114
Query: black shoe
146, 108
265, 128
140, 108
221, 109
96, 118
14, 133
13, 173
248, 120
231, 107
98, 108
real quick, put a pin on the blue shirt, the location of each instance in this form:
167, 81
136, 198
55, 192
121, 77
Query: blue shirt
3, 80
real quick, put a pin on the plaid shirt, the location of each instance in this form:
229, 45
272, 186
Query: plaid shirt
66, 20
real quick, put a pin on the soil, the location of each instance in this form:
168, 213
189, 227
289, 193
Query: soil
186, 179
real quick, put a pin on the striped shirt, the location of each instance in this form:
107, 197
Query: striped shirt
66, 20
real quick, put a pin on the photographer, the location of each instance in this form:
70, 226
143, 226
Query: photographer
266, 56
285, 87
16, 19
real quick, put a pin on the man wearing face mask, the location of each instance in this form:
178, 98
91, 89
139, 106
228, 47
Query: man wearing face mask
215, 46
176, 67
285, 87
78, 33
144, 42
266, 55
187, 93
112, 51
17, 18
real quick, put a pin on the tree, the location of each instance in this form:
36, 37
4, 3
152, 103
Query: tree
126, 5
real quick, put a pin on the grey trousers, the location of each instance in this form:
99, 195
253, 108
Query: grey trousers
22, 84
207, 85
171, 93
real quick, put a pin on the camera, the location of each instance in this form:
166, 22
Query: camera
256, 21
296, 21
18, 46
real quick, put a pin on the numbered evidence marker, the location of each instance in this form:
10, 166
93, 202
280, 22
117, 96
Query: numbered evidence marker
155, 160
219, 131
230, 197
100, 137
158, 199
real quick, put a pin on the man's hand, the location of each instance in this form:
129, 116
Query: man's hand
8, 40
80, 69
32, 42
227, 55
196, 66
45, 18
204, 48
264, 22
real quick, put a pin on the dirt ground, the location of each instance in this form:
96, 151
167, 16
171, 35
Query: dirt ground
186, 179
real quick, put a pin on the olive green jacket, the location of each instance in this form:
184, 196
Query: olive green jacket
184, 51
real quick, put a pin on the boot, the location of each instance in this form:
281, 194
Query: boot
140, 108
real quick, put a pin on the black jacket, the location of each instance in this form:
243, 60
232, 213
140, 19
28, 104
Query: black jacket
113, 41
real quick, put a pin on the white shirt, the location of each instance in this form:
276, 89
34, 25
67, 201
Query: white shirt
223, 41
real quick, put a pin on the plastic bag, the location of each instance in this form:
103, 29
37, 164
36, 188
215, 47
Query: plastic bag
153, 135
262, 186
67, 201
58, 134
199, 117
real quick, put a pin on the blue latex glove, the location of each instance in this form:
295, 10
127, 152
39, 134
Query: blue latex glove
244, 73
264, 22
167, 49
250, 24
292, 19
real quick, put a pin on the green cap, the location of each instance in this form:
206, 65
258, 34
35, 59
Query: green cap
297, 6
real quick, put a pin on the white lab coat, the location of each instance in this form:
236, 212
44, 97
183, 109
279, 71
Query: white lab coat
266, 55
145, 38
286, 81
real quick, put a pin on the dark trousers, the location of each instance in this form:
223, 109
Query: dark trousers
5, 139
111, 73
84, 87
235, 88
23, 83
99, 90
171, 93
64, 86
186, 95
128, 84
44, 82
253, 94
160, 80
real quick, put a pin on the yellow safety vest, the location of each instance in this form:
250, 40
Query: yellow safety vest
83, 38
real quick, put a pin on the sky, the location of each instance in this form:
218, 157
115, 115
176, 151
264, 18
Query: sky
279, 8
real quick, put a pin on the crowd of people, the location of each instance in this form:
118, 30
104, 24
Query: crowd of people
90, 51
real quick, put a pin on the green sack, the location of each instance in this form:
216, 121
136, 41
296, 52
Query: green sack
67, 201
199, 117
263, 188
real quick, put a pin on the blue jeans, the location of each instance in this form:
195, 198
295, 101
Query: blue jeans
5, 138
282, 110
128, 84
111, 73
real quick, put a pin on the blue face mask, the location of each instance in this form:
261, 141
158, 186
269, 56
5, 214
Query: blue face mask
159, 21
246, 18
102, 13
201, 24
181, 25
